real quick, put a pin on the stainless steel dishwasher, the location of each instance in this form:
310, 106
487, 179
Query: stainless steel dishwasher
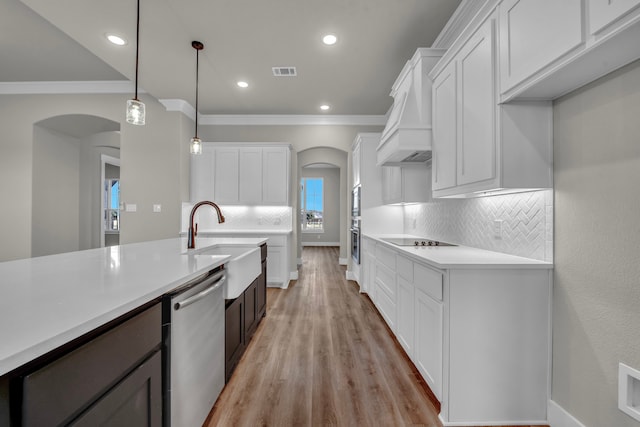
193, 333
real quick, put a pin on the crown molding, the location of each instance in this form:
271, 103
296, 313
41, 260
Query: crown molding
271, 119
292, 120
125, 86
457, 23
76, 87
180, 105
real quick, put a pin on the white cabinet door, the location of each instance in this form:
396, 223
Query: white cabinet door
201, 184
534, 33
275, 173
477, 102
275, 263
225, 180
391, 184
250, 176
605, 12
406, 323
356, 160
445, 112
428, 340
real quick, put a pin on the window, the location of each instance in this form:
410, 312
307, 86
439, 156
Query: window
112, 205
311, 204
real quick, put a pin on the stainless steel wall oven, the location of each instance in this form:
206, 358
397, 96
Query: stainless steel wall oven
355, 240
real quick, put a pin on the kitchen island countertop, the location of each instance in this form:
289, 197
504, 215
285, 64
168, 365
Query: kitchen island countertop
46, 302
460, 257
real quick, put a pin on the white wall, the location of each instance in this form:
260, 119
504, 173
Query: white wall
331, 200
154, 164
596, 313
56, 183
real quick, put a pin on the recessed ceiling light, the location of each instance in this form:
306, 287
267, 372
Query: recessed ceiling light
242, 84
325, 107
329, 39
117, 40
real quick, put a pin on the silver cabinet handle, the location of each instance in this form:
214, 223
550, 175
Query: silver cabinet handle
197, 297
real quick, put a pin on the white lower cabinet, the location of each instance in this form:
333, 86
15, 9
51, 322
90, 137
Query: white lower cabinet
478, 336
406, 296
275, 265
428, 352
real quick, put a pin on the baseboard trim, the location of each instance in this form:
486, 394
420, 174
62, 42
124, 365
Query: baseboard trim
320, 243
351, 276
293, 275
490, 423
559, 417
343, 261
299, 260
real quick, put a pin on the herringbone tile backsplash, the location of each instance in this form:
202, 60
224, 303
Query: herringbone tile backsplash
526, 228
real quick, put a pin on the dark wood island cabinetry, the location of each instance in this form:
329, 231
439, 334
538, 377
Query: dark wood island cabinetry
242, 316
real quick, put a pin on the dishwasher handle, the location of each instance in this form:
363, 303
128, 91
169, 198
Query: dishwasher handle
217, 281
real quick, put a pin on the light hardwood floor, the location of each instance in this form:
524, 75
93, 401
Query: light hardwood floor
323, 356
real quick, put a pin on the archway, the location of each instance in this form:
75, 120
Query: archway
318, 159
67, 183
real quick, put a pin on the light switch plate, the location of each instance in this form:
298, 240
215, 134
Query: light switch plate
629, 391
157, 208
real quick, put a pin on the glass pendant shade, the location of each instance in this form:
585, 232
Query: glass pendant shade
135, 112
196, 146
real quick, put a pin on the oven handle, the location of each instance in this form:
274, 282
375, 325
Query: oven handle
221, 278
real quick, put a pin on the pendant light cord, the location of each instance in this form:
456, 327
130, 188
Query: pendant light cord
197, 73
137, 47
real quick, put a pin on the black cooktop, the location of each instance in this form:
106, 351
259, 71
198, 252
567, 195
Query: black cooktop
416, 241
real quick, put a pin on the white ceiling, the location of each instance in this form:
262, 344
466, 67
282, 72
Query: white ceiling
64, 41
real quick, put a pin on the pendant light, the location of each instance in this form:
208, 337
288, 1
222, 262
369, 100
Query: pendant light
196, 143
135, 107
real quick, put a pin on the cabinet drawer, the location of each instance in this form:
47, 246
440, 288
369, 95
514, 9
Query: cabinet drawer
387, 308
386, 280
428, 281
404, 268
386, 257
277, 240
82, 375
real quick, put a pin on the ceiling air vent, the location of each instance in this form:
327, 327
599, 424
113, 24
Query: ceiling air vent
284, 71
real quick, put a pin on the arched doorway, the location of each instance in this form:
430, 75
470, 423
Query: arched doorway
67, 185
326, 162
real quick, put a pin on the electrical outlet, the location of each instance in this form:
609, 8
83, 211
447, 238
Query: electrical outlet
497, 228
629, 391
131, 207
157, 208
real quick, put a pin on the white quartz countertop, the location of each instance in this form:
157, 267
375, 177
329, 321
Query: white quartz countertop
459, 257
48, 301
240, 231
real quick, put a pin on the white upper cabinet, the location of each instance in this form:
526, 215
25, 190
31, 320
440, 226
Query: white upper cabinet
249, 174
480, 146
549, 48
355, 163
534, 33
476, 118
275, 175
406, 184
445, 128
201, 175
226, 169
604, 12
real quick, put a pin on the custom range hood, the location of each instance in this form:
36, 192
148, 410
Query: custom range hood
407, 136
